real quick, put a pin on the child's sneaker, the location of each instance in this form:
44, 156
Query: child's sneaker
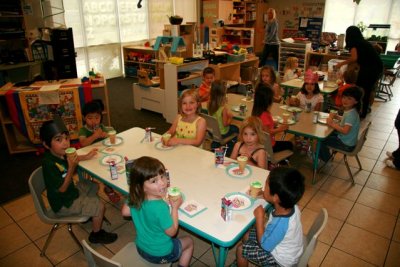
102, 237
390, 164
112, 195
389, 154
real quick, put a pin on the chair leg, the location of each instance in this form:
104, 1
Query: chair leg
107, 221
73, 236
359, 162
348, 169
46, 244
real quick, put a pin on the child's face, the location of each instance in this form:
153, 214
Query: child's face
348, 102
156, 187
59, 143
265, 77
250, 136
209, 78
93, 120
189, 105
310, 88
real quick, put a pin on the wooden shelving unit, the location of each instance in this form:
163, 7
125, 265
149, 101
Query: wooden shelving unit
240, 36
139, 57
296, 49
18, 143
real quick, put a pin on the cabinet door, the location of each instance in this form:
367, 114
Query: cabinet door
225, 10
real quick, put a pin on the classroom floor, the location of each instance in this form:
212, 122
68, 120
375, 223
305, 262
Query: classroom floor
363, 227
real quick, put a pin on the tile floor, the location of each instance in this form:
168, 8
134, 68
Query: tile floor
363, 227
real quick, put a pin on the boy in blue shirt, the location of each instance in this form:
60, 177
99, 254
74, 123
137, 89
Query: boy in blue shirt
280, 242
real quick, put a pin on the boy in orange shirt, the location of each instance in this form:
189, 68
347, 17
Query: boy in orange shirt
205, 87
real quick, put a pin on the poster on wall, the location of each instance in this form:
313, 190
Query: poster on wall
311, 28
35, 113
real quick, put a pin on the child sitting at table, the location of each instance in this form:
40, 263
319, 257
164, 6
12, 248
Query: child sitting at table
64, 197
205, 87
94, 131
188, 127
291, 70
251, 143
155, 224
350, 78
218, 109
280, 241
263, 100
345, 136
268, 78
309, 98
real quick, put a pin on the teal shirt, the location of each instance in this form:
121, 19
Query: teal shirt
218, 115
54, 172
351, 118
151, 221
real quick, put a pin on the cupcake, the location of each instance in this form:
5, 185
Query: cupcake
174, 193
255, 188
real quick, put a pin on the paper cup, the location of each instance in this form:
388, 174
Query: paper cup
174, 193
255, 188
70, 152
112, 135
285, 117
242, 161
165, 137
332, 114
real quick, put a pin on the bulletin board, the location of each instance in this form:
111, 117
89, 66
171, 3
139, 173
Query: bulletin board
311, 28
35, 114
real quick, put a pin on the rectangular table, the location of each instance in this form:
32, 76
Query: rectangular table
304, 127
192, 170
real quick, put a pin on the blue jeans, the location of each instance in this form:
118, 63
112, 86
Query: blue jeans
332, 141
172, 257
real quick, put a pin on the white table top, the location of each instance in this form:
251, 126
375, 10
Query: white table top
192, 170
297, 83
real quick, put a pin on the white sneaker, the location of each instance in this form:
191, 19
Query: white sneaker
389, 154
390, 164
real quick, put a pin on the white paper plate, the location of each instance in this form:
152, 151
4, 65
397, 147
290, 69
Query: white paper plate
232, 170
118, 141
276, 118
107, 159
289, 121
322, 120
159, 145
240, 201
294, 109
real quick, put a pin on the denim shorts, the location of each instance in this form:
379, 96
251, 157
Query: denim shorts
172, 257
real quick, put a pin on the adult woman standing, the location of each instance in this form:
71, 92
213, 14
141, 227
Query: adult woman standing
271, 40
371, 67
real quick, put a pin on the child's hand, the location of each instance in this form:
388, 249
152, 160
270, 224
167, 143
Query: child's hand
329, 122
177, 203
73, 161
98, 133
172, 142
283, 127
91, 153
259, 212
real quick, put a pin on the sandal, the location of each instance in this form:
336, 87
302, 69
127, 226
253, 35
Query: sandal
112, 195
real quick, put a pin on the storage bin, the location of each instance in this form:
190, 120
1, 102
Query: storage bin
236, 58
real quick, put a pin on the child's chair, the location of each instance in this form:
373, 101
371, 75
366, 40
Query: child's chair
275, 158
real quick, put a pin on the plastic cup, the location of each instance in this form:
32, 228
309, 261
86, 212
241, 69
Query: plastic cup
255, 188
242, 161
71, 152
285, 117
112, 135
165, 137
332, 114
174, 193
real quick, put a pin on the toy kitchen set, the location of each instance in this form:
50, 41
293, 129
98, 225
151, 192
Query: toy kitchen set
176, 60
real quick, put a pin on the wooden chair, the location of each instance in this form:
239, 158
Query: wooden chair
127, 257
37, 187
362, 136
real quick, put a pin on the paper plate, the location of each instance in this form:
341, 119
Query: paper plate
247, 100
322, 120
235, 108
232, 170
294, 109
107, 159
323, 115
240, 201
159, 145
289, 121
118, 141
276, 118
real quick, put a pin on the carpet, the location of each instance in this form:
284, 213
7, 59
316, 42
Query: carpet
16, 169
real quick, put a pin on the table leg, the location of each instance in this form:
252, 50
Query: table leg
221, 258
315, 163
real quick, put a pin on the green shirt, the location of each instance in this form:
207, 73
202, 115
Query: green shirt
86, 132
151, 221
218, 115
54, 172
